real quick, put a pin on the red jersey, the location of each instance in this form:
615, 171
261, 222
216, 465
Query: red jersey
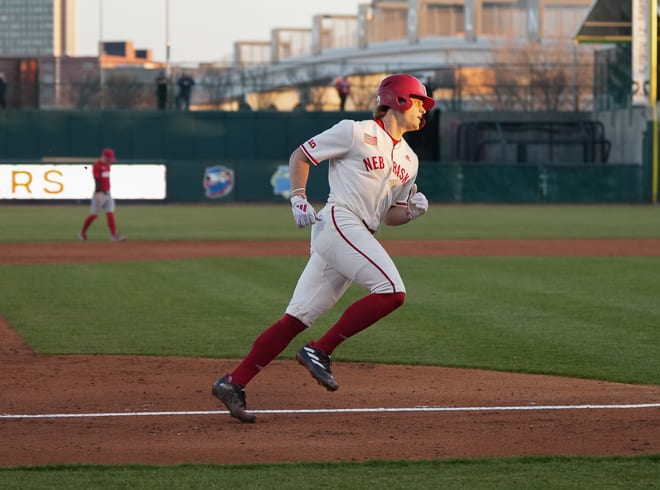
101, 172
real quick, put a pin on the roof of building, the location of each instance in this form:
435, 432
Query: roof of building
608, 21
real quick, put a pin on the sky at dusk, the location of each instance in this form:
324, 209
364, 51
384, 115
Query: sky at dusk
199, 30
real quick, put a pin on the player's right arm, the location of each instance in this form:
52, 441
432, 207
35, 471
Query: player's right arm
298, 172
96, 173
303, 212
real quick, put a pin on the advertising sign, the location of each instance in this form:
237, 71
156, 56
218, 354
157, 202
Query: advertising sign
53, 181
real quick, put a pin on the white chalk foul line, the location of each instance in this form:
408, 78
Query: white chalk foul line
335, 410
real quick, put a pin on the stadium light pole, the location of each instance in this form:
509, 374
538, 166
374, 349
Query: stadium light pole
101, 50
653, 90
167, 36
167, 51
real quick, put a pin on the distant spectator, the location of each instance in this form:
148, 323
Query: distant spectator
429, 86
243, 105
3, 91
343, 87
185, 83
161, 90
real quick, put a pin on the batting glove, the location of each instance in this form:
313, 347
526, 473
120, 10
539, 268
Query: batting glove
303, 212
417, 205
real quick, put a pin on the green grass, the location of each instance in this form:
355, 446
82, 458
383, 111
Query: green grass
584, 317
581, 317
38, 223
544, 473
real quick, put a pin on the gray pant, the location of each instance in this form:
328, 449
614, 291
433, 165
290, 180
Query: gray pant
102, 201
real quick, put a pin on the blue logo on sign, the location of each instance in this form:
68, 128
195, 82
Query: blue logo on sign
218, 181
280, 182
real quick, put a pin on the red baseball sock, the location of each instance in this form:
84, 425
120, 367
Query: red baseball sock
111, 223
360, 315
88, 221
266, 347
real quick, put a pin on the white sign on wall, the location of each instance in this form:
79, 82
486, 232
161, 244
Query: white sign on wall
52, 181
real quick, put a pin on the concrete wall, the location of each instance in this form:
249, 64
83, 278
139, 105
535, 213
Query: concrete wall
625, 129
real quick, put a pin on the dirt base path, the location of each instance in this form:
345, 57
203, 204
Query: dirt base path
150, 410
66, 252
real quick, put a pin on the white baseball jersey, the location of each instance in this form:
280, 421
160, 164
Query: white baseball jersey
368, 174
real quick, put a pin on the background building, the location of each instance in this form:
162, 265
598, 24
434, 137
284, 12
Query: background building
474, 54
34, 36
33, 28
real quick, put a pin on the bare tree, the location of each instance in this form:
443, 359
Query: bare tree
265, 101
84, 94
311, 87
121, 91
255, 83
318, 96
538, 77
548, 86
317, 88
216, 83
363, 91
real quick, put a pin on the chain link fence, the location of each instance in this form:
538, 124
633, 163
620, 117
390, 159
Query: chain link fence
525, 88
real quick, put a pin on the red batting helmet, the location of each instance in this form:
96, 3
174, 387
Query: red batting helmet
109, 154
395, 91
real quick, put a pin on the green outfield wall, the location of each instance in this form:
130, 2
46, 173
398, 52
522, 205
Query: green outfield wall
148, 135
443, 182
245, 155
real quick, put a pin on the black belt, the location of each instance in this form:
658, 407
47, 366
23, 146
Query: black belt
373, 232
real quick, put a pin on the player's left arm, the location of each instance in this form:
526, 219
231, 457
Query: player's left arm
404, 212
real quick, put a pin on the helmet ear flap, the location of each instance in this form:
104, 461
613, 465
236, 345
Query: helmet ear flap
403, 103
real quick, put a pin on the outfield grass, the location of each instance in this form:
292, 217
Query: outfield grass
546, 473
581, 317
38, 223
584, 317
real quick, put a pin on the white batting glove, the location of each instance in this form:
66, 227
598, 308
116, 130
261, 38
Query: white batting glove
303, 212
417, 205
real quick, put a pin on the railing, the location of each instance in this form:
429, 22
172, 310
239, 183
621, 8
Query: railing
473, 90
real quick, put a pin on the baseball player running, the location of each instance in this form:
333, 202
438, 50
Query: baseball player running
102, 200
372, 181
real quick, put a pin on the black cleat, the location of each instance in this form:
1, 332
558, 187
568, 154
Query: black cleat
233, 396
318, 364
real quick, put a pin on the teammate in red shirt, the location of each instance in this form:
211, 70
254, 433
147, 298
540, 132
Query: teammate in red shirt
102, 200
343, 87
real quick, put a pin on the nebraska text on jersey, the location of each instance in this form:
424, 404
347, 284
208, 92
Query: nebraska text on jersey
362, 174
378, 163
400, 172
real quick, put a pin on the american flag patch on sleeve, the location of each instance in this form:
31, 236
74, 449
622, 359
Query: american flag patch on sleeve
370, 139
